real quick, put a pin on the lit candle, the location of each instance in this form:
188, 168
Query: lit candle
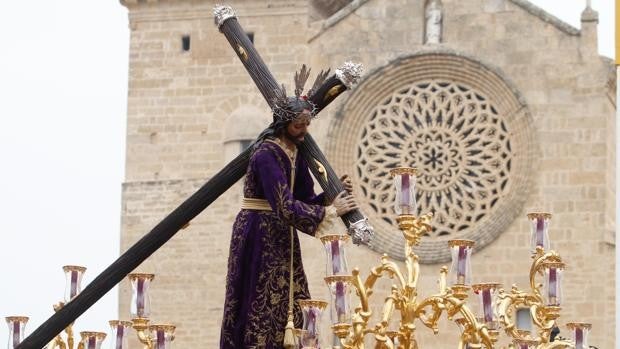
161, 339
336, 257
578, 338
120, 336
92, 343
404, 184
140, 297
553, 286
340, 302
540, 228
487, 306
462, 266
74, 285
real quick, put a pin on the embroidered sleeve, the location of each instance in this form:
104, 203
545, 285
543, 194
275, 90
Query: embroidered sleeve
303, 216
304, 186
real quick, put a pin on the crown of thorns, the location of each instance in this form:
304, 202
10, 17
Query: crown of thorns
282, 106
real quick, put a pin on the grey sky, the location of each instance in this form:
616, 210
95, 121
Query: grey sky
63, 88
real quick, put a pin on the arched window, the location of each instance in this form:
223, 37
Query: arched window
242, 128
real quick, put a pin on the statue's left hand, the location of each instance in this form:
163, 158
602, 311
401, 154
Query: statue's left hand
347, 183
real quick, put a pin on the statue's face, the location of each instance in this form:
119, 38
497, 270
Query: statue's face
297, 129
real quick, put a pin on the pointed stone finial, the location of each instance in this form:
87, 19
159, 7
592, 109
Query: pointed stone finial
589, 15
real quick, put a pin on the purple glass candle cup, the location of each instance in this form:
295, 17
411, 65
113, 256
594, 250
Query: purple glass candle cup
162, 336
404, 183
73, 285
119, 330
17, 326
335, 252
92, 340
140, 298
310, 332
539, 230
580, 331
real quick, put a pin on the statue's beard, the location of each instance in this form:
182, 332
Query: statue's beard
296, 140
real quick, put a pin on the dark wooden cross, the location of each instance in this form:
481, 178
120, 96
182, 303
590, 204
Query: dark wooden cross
357, 225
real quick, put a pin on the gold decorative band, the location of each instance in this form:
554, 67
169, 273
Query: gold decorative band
255, 204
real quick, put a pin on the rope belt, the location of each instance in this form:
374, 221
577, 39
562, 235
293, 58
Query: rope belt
255, 204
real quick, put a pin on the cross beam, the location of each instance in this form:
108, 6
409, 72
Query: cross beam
176, 220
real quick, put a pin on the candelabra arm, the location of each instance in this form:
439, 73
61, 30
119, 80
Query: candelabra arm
141, 326
540, 258
69, 331
388, 309
413, 266
363, 291
437, 305
386, 266
57, 342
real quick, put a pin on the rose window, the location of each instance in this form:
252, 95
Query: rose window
465, 128
453, 136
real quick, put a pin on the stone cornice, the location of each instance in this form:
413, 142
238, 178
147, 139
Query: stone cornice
524, 4
546, 17
151, 10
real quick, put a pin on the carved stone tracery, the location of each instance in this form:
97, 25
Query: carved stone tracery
454, 136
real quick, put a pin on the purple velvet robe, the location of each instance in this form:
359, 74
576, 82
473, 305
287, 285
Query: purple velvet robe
257, 284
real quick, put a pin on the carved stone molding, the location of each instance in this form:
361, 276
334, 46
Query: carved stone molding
461, 123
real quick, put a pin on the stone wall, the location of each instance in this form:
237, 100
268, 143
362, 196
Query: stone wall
178, 109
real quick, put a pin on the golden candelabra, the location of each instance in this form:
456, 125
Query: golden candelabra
482, 329
157, 336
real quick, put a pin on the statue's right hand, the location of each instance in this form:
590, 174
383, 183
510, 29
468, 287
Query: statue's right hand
344, 203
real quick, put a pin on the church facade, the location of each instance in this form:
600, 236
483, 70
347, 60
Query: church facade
502, 108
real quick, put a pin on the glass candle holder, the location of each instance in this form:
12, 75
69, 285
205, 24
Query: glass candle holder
17, 327
552, 285
525, 343
580, 332
92, 340
487, 300
299, 333
460, 270
118, 337
310, 332
339, 289
73, 284
539, 228
404, 183
523, 319
335, 252
140, 299
162, 336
